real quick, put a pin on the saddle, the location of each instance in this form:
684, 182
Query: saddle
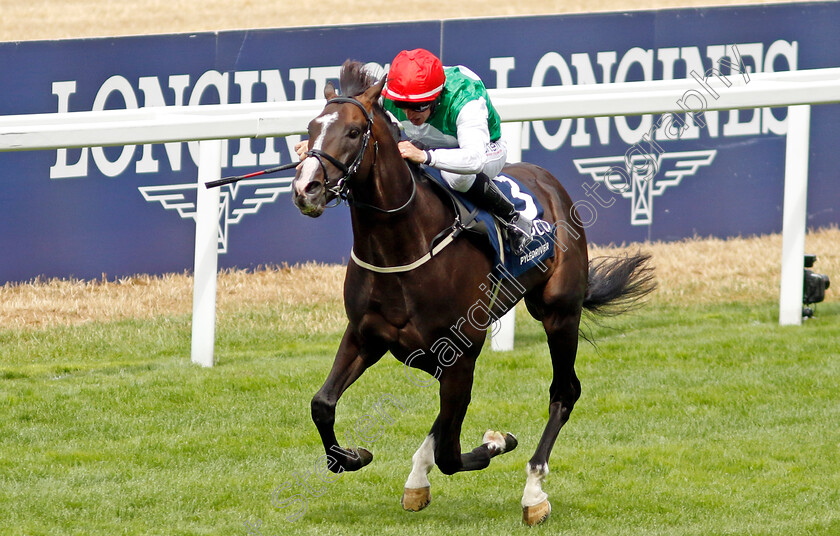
483, 225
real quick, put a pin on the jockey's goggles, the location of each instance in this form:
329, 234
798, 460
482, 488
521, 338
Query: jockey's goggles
414, 106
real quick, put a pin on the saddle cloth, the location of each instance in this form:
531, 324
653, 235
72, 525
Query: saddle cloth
541, 248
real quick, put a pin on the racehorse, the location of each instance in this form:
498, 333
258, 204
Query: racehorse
412, 290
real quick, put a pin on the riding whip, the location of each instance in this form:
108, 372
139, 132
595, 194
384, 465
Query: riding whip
228, 180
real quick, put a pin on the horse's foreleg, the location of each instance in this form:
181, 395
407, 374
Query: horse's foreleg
442, 447
417, 494
350, 362
455, 389
562, 333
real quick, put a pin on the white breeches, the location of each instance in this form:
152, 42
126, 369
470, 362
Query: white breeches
495, 158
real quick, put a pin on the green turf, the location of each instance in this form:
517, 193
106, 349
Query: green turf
693, 421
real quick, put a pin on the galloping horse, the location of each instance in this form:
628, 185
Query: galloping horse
401, 298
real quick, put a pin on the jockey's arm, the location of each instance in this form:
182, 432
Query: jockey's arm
473, 136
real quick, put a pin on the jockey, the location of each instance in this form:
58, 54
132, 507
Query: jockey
448, 111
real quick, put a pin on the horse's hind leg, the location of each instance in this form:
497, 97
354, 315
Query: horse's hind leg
562, 331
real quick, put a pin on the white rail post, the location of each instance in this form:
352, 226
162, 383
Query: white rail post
502, 330
795, 214
206, 254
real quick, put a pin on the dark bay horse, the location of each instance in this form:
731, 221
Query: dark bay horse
423, 308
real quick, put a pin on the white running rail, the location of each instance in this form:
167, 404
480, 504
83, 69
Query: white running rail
213, 123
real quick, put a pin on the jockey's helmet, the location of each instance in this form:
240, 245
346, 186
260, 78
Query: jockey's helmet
416, 77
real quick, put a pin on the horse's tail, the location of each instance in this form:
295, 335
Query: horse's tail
617, 284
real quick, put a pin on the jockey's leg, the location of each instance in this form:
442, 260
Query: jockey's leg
485, 194
495, 157
456, 181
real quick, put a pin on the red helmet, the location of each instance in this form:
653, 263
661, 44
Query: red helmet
415, 76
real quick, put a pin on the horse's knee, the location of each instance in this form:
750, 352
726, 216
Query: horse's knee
447, 463
323, 412
449, 467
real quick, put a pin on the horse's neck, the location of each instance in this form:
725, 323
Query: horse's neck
404, 236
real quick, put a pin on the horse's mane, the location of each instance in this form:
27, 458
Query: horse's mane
355, 78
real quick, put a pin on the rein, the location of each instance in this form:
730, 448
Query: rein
341, 188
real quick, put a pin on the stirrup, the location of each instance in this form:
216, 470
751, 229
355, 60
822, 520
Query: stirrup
519, 234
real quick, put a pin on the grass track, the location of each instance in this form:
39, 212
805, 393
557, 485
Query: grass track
693, 421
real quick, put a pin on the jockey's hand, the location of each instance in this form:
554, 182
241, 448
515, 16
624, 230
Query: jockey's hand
300, 148
411, 153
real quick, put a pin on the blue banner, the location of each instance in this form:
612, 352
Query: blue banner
723, 178
126, 210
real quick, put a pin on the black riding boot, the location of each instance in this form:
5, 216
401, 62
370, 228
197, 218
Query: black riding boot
486, 195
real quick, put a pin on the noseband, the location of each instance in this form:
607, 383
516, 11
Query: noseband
341, 187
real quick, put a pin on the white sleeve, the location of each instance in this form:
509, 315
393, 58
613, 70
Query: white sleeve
473, 136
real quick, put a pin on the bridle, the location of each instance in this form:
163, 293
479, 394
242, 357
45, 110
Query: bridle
342, 190
341, 186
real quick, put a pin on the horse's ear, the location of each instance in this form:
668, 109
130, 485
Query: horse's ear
372, 93
329, 91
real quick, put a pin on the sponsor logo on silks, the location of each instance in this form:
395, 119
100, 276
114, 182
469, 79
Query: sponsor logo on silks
236, 200
533, 254
642, 177
541, 227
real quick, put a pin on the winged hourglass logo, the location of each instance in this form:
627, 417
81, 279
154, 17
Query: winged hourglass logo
236, 200
669, 169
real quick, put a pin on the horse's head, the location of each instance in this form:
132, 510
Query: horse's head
338, 144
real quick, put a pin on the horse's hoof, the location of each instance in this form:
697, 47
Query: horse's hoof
499, 442
415, 499
356, 459
367, 456
510, 442
534, 515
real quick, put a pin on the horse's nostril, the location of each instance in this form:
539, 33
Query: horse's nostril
313, 188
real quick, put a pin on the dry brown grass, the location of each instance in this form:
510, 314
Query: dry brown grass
43, 303
745, 270
690, 271
53, 19
693, 270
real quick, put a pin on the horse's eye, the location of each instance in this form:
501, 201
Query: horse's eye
353, 133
